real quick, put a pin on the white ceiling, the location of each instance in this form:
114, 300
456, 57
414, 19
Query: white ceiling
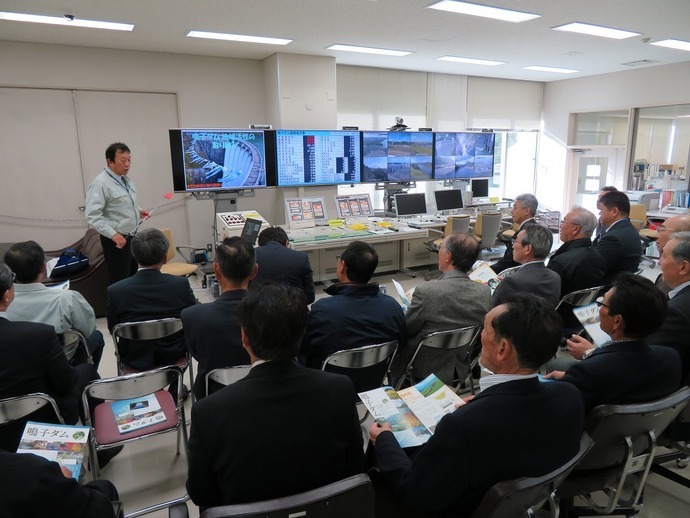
161, 26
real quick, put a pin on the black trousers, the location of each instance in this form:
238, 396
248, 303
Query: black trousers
119, 261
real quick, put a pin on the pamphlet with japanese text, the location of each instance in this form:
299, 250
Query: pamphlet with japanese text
132, 414
61, 443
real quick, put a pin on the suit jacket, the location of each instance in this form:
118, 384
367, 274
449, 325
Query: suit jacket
623, 373
450, 302
532, 278
662, 285
147, 295
537, 427
32, 360
507, 260
33, 486
579, 265
675, 330
212, 334
621, 248
281, 430
354, 316
280, 263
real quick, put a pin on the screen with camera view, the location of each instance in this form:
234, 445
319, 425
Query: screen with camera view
463, 155
397, 156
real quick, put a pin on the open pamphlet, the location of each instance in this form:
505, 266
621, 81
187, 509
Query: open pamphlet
61, 443
133, 414
589, 318
414, 412
482, 272
404, 297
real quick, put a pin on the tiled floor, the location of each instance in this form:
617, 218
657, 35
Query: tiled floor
148, 471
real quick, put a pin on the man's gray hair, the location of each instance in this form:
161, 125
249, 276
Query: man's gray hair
681, 252
6, 278
539, 237
150, 247
530, 202
585, 219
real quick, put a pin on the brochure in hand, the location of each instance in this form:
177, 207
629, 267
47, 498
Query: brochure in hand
133, 414
589, 318
63, 444
482, 272
412, 412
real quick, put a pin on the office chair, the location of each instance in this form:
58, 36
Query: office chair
71, 340
458, 224
486, 228
179, 269
226, 375
638, 217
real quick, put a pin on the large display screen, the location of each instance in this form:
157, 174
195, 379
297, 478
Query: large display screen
397, 156
221, 159
317, 157
463, 155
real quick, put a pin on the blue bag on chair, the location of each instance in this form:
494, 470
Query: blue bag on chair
69, 263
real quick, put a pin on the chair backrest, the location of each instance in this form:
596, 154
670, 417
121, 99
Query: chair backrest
14, 408
457, 224
147, 330
227, 375
580, 297
135, 385
638, 215
71, 340
487, 226
171, 243
367, 366
351, 497
513, 498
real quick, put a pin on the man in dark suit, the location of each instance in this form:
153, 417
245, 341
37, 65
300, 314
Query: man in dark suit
532, 245
212, 331
356, 314
523, 211
625, 370
666, 231
619, 243
33, 486
147, 295
675, 330
279, 263
450, 474
281, 430
577, 263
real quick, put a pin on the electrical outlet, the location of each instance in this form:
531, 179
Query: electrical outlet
209, 247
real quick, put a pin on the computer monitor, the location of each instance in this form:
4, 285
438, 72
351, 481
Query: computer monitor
353, 205
410, 204
448, 199
397, 156
251, 230
463, 155
480, 188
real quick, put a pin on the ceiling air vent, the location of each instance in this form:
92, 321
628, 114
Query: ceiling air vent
640, 62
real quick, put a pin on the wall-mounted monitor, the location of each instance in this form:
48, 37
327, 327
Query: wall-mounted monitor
410, 204
353, 205
480, 188
221, 159
397, 156
317, 157
448, 199
463, 155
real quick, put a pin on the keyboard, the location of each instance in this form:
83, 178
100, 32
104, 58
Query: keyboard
423, 223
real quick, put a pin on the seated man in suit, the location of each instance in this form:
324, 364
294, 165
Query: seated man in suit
523, 211
281, 430
148, 295
450, 474
625, 370
62, 309
577, 263
452, 301
33, 486
532, 245
619, 243
356, 314
277, 262
212, 331
666, 231
600, 228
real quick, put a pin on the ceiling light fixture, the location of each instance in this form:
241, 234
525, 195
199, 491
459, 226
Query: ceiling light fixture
484, 11
368, 50
471, 61
673, 44
67, 20
595, 30
237, 37
551, 69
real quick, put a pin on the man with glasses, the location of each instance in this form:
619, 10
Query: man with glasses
578, 264
625, 370
666, 231
523, 212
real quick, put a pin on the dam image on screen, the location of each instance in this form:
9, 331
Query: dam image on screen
397, 156
463, 155
223, 159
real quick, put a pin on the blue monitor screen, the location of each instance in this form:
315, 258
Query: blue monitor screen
463, 155
317, 157
397, 156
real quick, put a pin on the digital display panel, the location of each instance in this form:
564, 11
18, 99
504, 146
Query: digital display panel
352, 205
397, 156
463, 155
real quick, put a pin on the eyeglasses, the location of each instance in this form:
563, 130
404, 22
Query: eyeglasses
600, 302
564, 222
662, 228
338, 257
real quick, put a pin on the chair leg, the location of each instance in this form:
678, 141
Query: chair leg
190, 366
93, 461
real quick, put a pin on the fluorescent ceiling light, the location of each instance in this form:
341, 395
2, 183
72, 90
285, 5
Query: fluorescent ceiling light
61, 20
484, 11
237, 37
368, 50
471, 61
551, 69
596, 30
673, 44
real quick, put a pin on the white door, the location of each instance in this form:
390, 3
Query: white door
592, 169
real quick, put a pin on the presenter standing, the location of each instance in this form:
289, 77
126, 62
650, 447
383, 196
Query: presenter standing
112, 210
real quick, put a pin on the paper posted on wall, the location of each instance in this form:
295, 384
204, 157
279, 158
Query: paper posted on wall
63, 444
414, 412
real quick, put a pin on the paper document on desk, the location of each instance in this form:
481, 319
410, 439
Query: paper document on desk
401, 293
